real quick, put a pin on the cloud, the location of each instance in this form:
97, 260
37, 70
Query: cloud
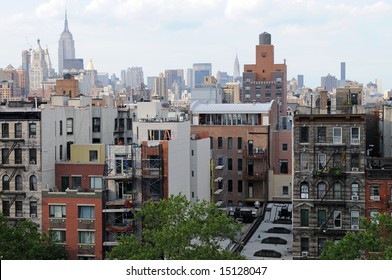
51, 9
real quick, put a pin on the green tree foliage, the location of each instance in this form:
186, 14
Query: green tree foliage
175, 229
373, 241
23, 241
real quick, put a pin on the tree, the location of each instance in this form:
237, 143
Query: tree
23, 241
374, 241
176, 229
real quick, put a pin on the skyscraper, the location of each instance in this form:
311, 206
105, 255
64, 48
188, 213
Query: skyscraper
236, 72
66, 46
300, 80
265, 81
38, 69
201, 70
342, 71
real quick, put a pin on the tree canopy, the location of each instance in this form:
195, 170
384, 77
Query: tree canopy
372, 241
175, 229
23, 241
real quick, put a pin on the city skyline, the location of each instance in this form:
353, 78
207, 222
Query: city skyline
313, 37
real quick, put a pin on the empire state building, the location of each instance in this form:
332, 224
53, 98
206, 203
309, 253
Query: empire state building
66, 46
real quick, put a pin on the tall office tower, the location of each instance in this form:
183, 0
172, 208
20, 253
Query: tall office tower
189, 78
150, 83
49, 62
160, 88
26, 61
265, 81
379, 85
329, 82
342, 71
66, 46
300, 81
201, 70
236, 72
133, 77
88, 79
38, 69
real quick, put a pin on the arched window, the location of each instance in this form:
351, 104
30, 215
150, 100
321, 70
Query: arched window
33, 183
321, 190
6, 183
18, 183
304, 190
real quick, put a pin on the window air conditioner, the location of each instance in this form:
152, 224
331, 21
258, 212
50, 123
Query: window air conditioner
355, 169
355, 227
354, 197
375, 198
304, 253
33, 215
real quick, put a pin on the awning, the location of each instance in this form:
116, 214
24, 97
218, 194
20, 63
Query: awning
218, 191
218, 179
219, 167
219, 203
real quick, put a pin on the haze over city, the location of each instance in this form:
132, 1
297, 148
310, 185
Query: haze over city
313, 36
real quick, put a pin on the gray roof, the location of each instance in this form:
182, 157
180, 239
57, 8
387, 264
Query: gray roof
226, 108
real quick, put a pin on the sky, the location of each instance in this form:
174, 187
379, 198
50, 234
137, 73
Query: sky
313, 36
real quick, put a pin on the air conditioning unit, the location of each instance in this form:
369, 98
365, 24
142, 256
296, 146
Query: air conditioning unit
356, 227
375, 198
355, 141
355, 169
33, 215
354, 197
304, 253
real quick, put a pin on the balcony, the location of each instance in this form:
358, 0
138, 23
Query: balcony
255, 154
86, 224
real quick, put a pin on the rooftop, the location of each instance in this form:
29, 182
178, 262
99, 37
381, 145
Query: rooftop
226, 108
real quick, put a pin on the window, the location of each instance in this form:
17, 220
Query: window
61, 152
5, 130
230, 143
354, 161
337, 135
230, 185
354, 219
32, 130
220, 143
93, 155
304, 217
337, 219
239, 186
6, 208
96, 182
304, 135
321, 161
239, 164
57, 211
61, 127
321, 217
18, 155
58, 236
69, 126
193, 173
18, 130
33, 209
64, 183
4, 156
86, 212
355, 135
86, 237
33, 156
69, 143
76, 182
337, 160
321, 245
304, 191
337, 190
18, 183
321, 190
285, 190
239, 143
304, 162
321, 134
284, 166
304, 244
229, 164
284, 147
375, 193
121, 124
33, 183
250, 189
96, 124
354, 189
6, 183
129, 124
18, 208
159, 134
211, 143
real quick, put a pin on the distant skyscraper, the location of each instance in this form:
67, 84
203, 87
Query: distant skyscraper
329, 82
343, 71
379, 85
236, 72
133, 77
189, 78
38, 69
201, 70
66, 46
160, 88
300, 81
